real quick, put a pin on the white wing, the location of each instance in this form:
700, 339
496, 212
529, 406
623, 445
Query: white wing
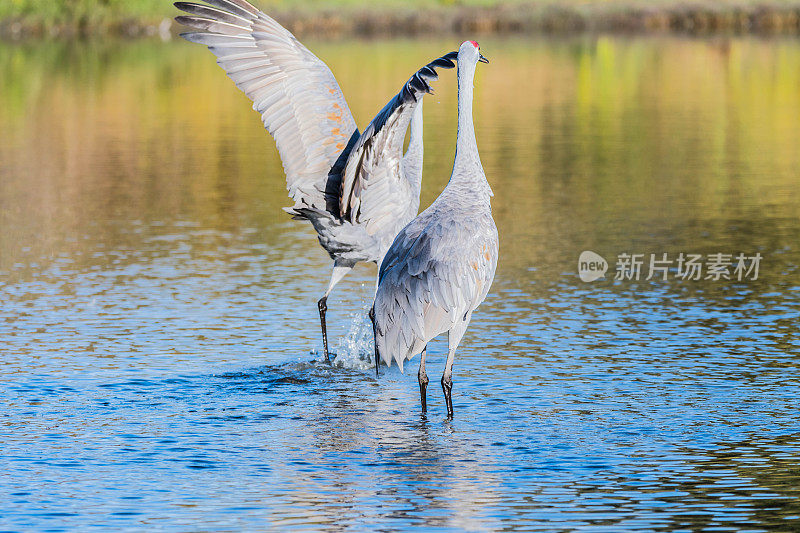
300, 101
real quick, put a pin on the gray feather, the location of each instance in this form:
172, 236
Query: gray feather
440, 266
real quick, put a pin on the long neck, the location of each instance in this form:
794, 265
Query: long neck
412, 160
467, 168
466, 145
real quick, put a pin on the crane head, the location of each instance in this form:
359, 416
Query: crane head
471, 47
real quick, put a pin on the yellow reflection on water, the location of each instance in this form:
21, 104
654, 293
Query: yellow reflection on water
589, 141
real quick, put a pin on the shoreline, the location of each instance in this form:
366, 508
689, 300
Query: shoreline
762, 18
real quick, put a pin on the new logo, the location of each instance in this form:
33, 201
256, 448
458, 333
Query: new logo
591, 266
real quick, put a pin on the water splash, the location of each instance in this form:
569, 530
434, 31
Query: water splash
356, 350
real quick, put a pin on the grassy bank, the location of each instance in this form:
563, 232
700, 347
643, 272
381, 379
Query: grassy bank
37, 18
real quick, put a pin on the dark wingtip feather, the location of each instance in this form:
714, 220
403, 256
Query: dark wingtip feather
188, 7
193, 36
428, 72
193, 22
443, 62
418, 83
414, 89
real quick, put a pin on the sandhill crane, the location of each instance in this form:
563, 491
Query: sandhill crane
441, 265
357, 189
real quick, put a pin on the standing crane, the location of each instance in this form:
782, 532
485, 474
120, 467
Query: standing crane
357, 189
441, 265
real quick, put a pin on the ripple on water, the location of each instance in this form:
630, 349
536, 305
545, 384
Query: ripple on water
160, 341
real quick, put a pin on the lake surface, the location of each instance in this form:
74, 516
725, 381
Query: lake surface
159, 330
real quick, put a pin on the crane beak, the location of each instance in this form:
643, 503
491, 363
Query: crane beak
483, 59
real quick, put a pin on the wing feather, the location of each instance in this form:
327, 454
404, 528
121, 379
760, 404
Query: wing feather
298, 98
434, 274
372, 170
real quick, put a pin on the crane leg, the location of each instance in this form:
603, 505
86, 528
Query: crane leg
447, 382
422, 377
339, 272
375, 337
447, 388
453, 338
322, 304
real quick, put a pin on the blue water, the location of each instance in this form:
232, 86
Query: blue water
160, 344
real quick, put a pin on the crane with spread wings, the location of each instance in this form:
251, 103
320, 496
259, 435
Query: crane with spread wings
358, 189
